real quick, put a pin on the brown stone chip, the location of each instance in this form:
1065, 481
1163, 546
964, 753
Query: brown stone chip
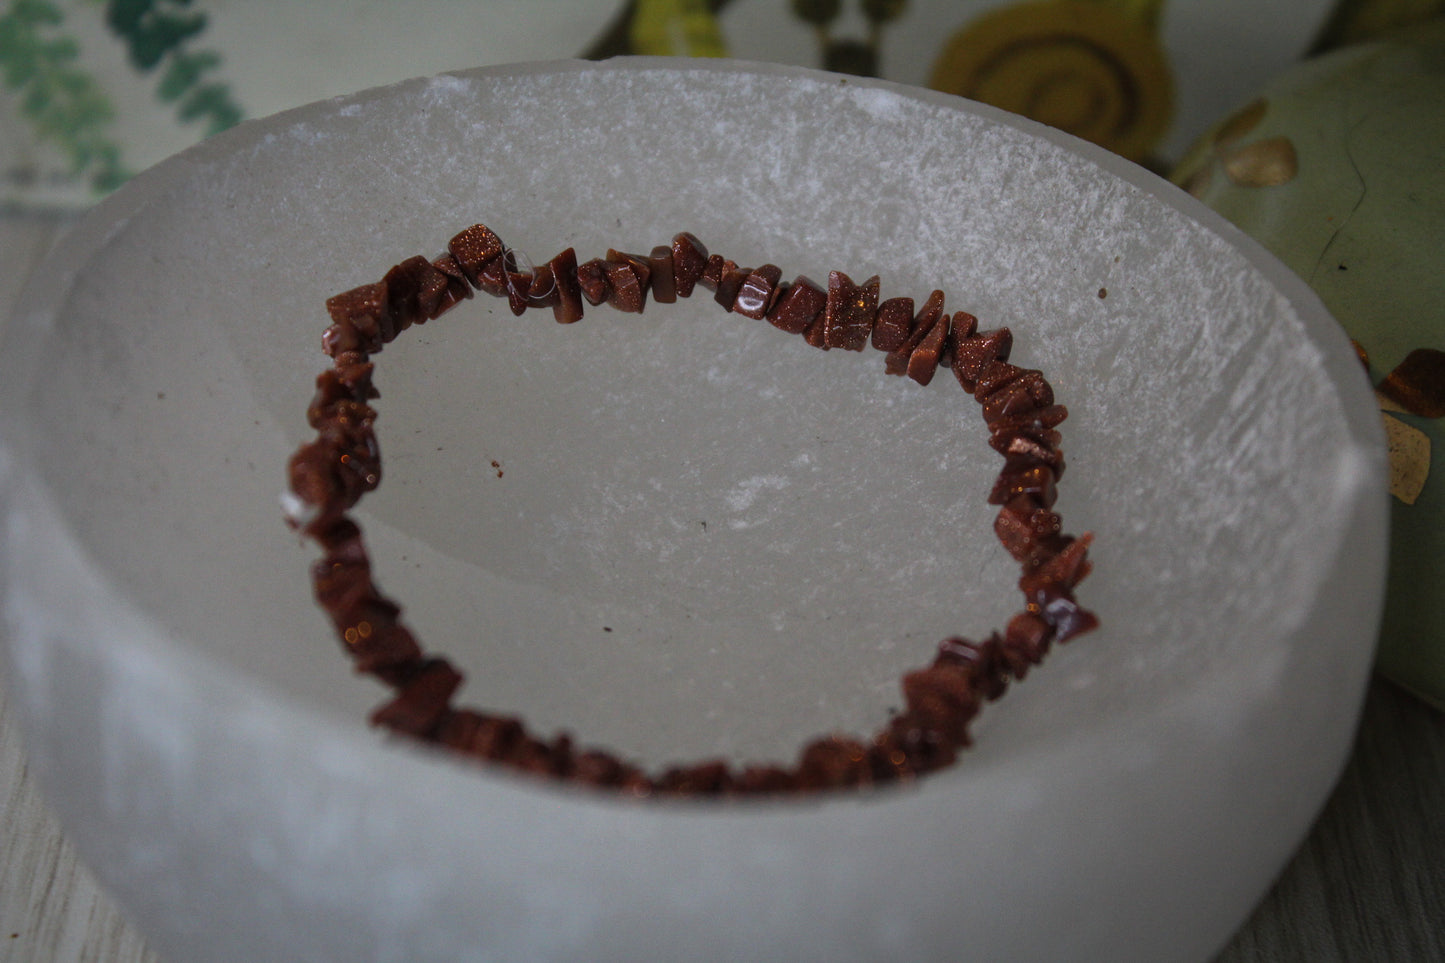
689, 257
542, 292
421, 705
923, 361
729, 283
945, 696
518, 286
922, 325
474, 249
664, 280
366, 312
972, 354
894, 321
627, 278
1007, 390
568, 306
1418, 383
755, 295
713, 271
592, 279
833, 762
798, 306
481, 735
458, 288
403, 291
849, 312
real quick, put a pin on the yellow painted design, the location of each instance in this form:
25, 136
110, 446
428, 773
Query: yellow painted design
1409, 450
675, 28
1240, 123
1093, 68
1264, 163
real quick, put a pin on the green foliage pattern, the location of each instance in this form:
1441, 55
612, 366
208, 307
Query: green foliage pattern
69, 109
64, 103
157, 34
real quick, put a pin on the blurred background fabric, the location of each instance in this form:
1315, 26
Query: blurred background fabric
96, 90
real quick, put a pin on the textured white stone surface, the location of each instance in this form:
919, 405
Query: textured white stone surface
199, 734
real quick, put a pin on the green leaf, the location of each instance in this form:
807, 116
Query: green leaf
37, 12
224, 116
17, 73
109, 176
35, 100
150, 38
184, 71
61, 102
123, 16
17, 59
205, 99
60, 50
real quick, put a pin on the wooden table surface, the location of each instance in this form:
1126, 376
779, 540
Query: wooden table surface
1368, 884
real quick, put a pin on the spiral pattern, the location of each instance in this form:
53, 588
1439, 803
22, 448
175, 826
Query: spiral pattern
1079, 66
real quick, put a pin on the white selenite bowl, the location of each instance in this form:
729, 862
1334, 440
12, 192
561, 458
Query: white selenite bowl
704, 538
